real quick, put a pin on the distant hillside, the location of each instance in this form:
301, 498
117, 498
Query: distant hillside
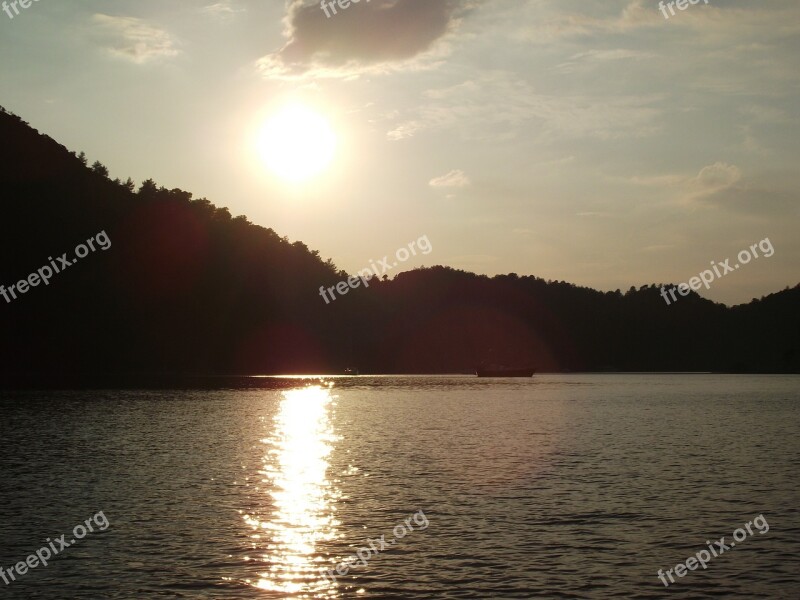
185, 288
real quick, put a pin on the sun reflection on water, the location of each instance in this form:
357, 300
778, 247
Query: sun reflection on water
295, 470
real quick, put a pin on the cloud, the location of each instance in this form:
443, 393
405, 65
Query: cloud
505, 104
761, 195
368, 36
133, 39
716, 177
455, 178
710, 181
613, 54
222, 9
552, 20
585, 59
404, 131
555, 22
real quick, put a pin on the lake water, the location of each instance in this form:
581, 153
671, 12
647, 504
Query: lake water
560, 486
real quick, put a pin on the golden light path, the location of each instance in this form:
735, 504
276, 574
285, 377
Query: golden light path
303, 498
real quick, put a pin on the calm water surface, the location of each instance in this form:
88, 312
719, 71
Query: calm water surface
561, 486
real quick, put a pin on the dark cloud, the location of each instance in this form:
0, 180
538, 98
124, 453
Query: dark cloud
367, 35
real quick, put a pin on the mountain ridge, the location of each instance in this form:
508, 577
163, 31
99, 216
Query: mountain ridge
187, 288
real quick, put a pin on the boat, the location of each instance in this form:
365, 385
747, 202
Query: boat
351, 371
502, 371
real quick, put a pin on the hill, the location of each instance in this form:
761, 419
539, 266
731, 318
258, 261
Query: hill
186, 288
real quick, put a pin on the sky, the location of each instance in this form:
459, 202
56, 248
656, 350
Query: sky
598, 143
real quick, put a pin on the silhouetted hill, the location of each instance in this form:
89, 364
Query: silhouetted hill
185, 288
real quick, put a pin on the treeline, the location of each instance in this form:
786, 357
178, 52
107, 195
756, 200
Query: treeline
186, 288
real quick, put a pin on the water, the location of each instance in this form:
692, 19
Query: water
570, 486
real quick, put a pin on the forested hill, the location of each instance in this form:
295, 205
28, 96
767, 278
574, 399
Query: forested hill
185, 288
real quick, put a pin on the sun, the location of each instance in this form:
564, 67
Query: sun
296, 143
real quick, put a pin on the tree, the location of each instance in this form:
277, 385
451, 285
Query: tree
148, 188
99, 168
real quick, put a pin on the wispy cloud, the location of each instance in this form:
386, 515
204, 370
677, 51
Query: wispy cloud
550, 20
223, 9
595, 57
611, 54
455, 178
504, 103
133, 39
404, 131
711, 179
555, 22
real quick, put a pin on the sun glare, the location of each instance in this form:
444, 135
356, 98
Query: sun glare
296, 143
